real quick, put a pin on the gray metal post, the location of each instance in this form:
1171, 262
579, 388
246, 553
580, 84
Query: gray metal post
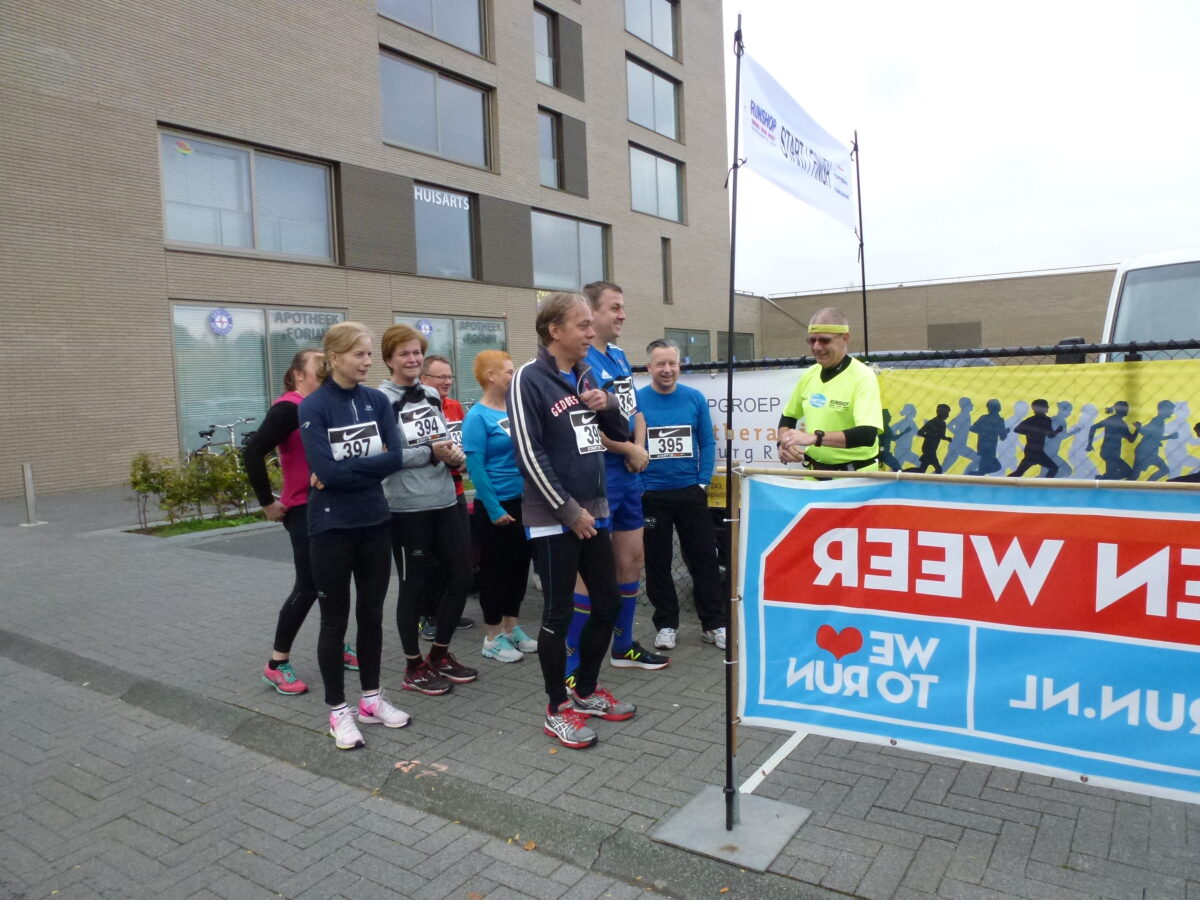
30, 497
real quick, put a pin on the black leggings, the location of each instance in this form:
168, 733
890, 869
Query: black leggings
304, 592
338, 555
419, 538
686, 511
557, 559
504, 555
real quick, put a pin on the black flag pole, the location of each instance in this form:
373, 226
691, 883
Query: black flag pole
862, 255
731, 514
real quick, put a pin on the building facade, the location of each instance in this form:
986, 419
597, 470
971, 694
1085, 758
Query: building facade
196, 190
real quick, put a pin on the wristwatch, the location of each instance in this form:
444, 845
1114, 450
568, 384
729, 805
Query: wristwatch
820, 437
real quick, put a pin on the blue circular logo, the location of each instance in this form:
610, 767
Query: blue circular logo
220, 321
816, 401
425, 327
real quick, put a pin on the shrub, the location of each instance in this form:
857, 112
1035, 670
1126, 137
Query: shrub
207, 479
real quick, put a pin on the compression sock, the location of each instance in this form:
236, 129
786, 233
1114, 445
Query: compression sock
583, 609
623, 627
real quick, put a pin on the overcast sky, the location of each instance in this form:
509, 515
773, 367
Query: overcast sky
995, 137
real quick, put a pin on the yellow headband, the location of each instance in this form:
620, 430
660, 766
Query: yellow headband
828, 329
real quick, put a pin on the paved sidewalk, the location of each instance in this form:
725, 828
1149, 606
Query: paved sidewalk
144, 757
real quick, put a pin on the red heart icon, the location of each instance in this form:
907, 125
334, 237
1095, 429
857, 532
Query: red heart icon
843, 643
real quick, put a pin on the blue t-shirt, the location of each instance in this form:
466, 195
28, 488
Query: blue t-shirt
679, 438
611, 371
490, 458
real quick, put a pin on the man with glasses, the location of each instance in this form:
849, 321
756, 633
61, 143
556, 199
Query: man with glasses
837, 401
438, 374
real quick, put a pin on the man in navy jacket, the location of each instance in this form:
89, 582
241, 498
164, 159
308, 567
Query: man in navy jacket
557, 413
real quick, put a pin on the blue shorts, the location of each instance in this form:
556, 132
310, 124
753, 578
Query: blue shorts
625, 501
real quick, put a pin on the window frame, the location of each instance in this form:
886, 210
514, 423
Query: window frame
556, 139
604, 250
483, 31
649, 40
485, 92
252, 151
472, 230
655, 74
657, 157
551, 19
682, 337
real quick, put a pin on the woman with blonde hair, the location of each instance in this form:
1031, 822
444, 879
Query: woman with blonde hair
351, 444
504, 553
281, 429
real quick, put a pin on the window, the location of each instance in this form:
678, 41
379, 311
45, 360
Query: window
652, 99
429, 111
654, 184
230, 362
695, 345
456, 22
459, 340
743, 345
668, 287
545, 47
653, 21
223, 195
445, 232
549, 156
567, 253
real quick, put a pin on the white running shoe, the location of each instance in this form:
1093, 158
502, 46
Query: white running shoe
343, 730
665, 639
716, 636
501, 649
520, 639
378, 711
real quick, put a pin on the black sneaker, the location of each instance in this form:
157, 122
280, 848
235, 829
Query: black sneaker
638, 657
464, 623
428, 629
450, 668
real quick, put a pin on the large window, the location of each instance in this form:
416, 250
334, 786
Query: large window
549, 156
427, 110
230, 361
743, 345
545, 47
654, 184
696, 346
456, 22
224, 195
567, 253
445, 232
652, 99
459, 340
653, 21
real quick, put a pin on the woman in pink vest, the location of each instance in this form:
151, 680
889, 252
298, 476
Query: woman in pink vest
281, 429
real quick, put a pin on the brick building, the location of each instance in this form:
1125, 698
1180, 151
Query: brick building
195, 190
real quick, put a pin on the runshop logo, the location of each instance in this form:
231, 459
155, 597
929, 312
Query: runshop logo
764, 123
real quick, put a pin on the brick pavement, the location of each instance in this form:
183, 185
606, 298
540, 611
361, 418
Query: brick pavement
167, 768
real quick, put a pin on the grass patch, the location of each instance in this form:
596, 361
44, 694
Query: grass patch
191, 526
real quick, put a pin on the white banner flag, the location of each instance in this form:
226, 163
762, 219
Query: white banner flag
784, 145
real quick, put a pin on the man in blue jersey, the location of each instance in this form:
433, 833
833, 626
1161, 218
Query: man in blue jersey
623, 463
682, 453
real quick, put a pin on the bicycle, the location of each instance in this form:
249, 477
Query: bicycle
230, 445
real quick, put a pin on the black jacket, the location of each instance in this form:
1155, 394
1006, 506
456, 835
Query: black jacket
553, 434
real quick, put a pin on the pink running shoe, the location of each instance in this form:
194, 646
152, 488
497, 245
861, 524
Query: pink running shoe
284, 679
349, 658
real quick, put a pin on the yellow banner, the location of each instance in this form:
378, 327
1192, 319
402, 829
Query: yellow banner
1120, 421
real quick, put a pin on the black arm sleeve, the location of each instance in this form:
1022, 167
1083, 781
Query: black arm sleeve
787, 422
281, 420
860, 436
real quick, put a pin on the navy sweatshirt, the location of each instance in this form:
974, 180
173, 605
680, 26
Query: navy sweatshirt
351, 443
557, 443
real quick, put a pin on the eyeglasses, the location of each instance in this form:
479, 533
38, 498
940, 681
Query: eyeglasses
440, 377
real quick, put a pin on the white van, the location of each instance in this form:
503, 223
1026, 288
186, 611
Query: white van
1156, 297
